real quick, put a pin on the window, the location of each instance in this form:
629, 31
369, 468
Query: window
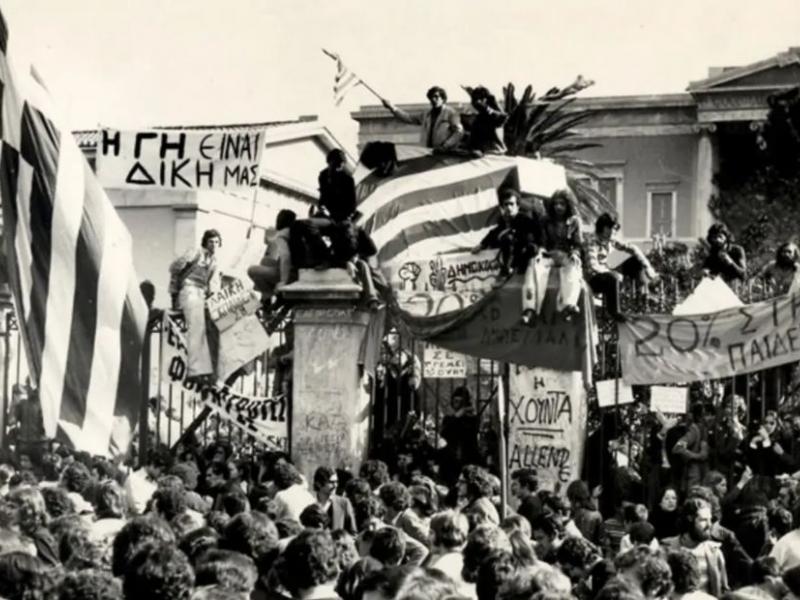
610, 187
661, 206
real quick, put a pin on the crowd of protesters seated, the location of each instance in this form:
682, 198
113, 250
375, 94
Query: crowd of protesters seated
212, 522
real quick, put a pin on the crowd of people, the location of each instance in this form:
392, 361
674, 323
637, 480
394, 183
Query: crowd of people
204, 523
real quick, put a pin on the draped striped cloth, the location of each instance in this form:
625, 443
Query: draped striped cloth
70, 262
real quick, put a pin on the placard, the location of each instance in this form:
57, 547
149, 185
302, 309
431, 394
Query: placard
233, 302
263, 418
606, 392
547, 424
668, 399
177, 159
454, 272
439, 363
681, 349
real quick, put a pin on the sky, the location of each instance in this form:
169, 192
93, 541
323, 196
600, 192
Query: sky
128, 64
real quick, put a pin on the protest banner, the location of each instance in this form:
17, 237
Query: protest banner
680, 349
547, 424
232, 303
178, 159
456, 272
668, 399
263, 418
439, 363
613, 392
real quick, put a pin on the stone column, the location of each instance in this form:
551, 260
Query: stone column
704, 178
330, 407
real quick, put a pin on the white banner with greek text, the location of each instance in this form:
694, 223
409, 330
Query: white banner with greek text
263, 418
681, 349
547, 424
175, 159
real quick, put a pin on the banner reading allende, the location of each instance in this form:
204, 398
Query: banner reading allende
263, 418
676, 349
177, 159
547, 424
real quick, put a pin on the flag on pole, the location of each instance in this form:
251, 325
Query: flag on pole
69, 256
345, 79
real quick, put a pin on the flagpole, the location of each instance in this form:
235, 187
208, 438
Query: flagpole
502, 415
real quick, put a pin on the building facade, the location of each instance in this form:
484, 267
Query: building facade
658, 154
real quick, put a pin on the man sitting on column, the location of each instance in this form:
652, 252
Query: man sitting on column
194, 277
604, 280
275, 268
440, 127
563, 244
518, 236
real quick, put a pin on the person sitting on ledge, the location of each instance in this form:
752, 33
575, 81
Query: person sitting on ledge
563, 243
518, 236
275, 268
604, 280
440, 127
725, 259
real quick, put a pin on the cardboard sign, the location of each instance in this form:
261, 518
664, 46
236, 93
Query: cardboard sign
439, 363
263, 418
232, 303
606, 390
547, 424
177, 159
668, 399
680, 349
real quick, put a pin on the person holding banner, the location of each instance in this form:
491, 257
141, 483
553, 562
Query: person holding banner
194, 277
563, 243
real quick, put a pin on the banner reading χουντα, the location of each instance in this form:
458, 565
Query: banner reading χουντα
680, 349
263, 418
547, 424
176, 159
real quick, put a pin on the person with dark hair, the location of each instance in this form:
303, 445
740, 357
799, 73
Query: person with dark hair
33, 520
481, 543
563, 244
765, 582
346, 548
781, 272
314, 517
337, 189
136, 533
310, 566
23, 576
576, 557
388, 546
158, 571
486, 129
234, 502
338, 508
193, 277
253, 534
767, 450
226, 570
196, 543
276, 267
601, 277
474, 488
350, 579
779, 523
89, 584
548, 534
586, 517
168, 503
725, 259
685, 575
375, 472
397, 500
57, 502
440, 127
497, 568
695, 536
524, 484
292, 496
110, 510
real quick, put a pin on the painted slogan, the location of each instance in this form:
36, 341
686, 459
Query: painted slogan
179, 159
547, 424
676, 349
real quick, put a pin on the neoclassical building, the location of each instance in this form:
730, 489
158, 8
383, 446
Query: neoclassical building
658, 154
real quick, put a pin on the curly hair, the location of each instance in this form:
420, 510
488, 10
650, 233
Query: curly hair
779, 520
24, 577
210, 234
655, 576
689, 510
158, 571
137, 532
577, 552
57, 502
478, 482
388, 546
196, 543
235, 502
32, 510
494, 571
218, 520
426, 584
480, 544
569, 200
436, 90
367, 509
231, 570
76, 478
309, 560
719, 229
169, 502
351, 577
89, 584
285, 475
314, 517
357, 489
253, 534
449, 529
376, 472
395, 495
110, 501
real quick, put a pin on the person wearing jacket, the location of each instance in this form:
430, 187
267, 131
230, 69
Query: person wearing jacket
440, 127
275, 268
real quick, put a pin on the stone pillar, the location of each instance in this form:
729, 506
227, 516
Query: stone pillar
330, 407
704, 178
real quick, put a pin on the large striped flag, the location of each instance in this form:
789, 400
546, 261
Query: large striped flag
434, 204
344, 81
70, 264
